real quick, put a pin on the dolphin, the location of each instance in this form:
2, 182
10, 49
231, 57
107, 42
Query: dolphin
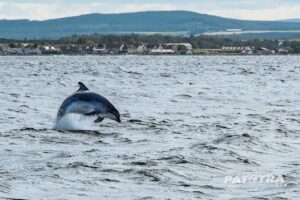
88, 103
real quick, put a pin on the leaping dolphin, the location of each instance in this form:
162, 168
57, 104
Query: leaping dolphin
88, 103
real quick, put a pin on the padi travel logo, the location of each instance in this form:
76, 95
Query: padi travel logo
256, 179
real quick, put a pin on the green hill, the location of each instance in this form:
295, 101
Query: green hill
170, 22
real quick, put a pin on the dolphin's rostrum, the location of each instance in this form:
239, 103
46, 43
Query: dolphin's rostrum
88, 103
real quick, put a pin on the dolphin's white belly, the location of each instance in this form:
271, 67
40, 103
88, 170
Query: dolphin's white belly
81, 107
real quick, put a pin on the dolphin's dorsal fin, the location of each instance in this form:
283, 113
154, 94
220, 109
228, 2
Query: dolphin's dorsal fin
82, 87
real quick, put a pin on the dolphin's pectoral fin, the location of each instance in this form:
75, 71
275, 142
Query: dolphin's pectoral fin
99, 119
91, 113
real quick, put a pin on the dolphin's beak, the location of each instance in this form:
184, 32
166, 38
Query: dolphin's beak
114, 115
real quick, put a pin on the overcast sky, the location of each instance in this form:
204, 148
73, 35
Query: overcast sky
241, 9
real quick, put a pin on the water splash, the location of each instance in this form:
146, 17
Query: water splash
73, 122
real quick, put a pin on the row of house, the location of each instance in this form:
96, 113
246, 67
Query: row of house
168, 48
19, 49
246, 50
34, 49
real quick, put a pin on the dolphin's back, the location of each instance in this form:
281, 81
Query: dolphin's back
95, 98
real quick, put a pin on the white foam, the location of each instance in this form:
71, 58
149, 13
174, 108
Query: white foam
74, 122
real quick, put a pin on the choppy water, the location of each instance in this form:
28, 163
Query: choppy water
187, 123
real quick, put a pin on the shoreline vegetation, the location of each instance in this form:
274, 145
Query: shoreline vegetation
155, 44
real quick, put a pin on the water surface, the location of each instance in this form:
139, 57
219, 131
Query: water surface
187, 123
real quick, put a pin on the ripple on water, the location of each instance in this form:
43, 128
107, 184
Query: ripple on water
187, 122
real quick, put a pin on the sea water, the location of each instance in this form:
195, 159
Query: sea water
192, 127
